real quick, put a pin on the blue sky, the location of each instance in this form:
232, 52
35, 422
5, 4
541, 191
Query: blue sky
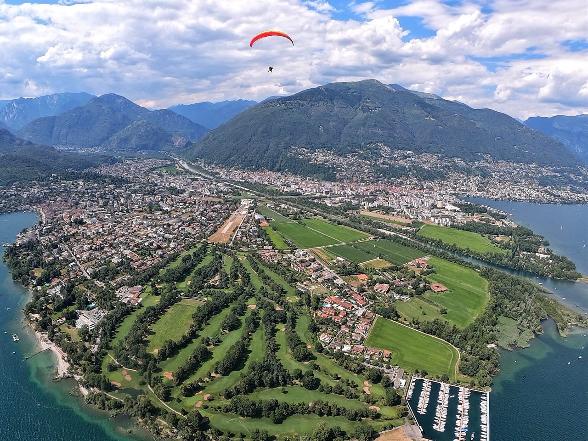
523, 57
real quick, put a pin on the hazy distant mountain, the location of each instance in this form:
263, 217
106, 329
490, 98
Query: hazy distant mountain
572, 131
95, 123
354, 116
21, 160
212, 115
19, 112
143, 136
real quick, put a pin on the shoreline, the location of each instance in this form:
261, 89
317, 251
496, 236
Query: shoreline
62, 366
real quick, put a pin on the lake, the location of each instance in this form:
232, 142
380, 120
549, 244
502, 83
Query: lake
541, 393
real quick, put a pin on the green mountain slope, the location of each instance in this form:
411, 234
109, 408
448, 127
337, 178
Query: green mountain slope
24, 161
95, 123
353, 116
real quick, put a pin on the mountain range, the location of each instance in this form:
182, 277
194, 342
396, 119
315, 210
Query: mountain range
354, 116
212, 115
572, 131
112, 120
15, 114
21, 160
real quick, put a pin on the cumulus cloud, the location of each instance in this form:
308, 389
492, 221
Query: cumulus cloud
163, 52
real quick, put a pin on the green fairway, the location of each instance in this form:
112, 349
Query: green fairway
173, 324
391, 251
298, 394
412, 349
256, 350
211, 330
341, 233
466, 240
302, 236
125, 327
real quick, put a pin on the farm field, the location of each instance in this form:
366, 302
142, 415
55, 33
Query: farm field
393, 252
302, 236
341, 233
466, 240
277, 240
267, 212
466, 298
414, 350
353, 253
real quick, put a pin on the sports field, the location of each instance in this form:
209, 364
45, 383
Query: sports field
467, 240
412, 349
391, 251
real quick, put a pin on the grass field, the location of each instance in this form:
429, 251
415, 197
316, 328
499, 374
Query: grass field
302, 236
173, 324
341, 233
412, 349
466, 298
276, 239
466, 240
391, 251
267, 212
351, 252
315, 232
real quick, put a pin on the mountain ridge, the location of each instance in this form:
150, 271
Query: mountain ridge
572, 131
16, 113
343, 117
103, 117
212, 115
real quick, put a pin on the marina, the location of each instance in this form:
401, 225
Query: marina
449, 413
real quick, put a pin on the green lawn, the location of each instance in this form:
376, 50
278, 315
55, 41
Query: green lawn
173, 324
125, 326
466, 240
302, 236
391, 251
412, 349
298, 394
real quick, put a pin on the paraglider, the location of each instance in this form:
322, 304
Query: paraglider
270, 34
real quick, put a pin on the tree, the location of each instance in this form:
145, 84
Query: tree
364, 432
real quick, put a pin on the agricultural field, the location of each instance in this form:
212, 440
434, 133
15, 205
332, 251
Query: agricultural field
466, 298
313, 232
414, 350
276, 239
466, 240
388, 250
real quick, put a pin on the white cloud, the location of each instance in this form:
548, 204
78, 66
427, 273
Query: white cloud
168, 51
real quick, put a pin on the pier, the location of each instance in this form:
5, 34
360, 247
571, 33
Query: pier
28, 357
446, 412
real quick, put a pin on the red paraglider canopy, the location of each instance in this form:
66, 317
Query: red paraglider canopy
270, 34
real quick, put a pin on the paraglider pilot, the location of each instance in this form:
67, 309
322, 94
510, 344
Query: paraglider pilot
270, 69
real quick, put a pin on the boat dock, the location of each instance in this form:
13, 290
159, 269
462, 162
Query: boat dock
448, 412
